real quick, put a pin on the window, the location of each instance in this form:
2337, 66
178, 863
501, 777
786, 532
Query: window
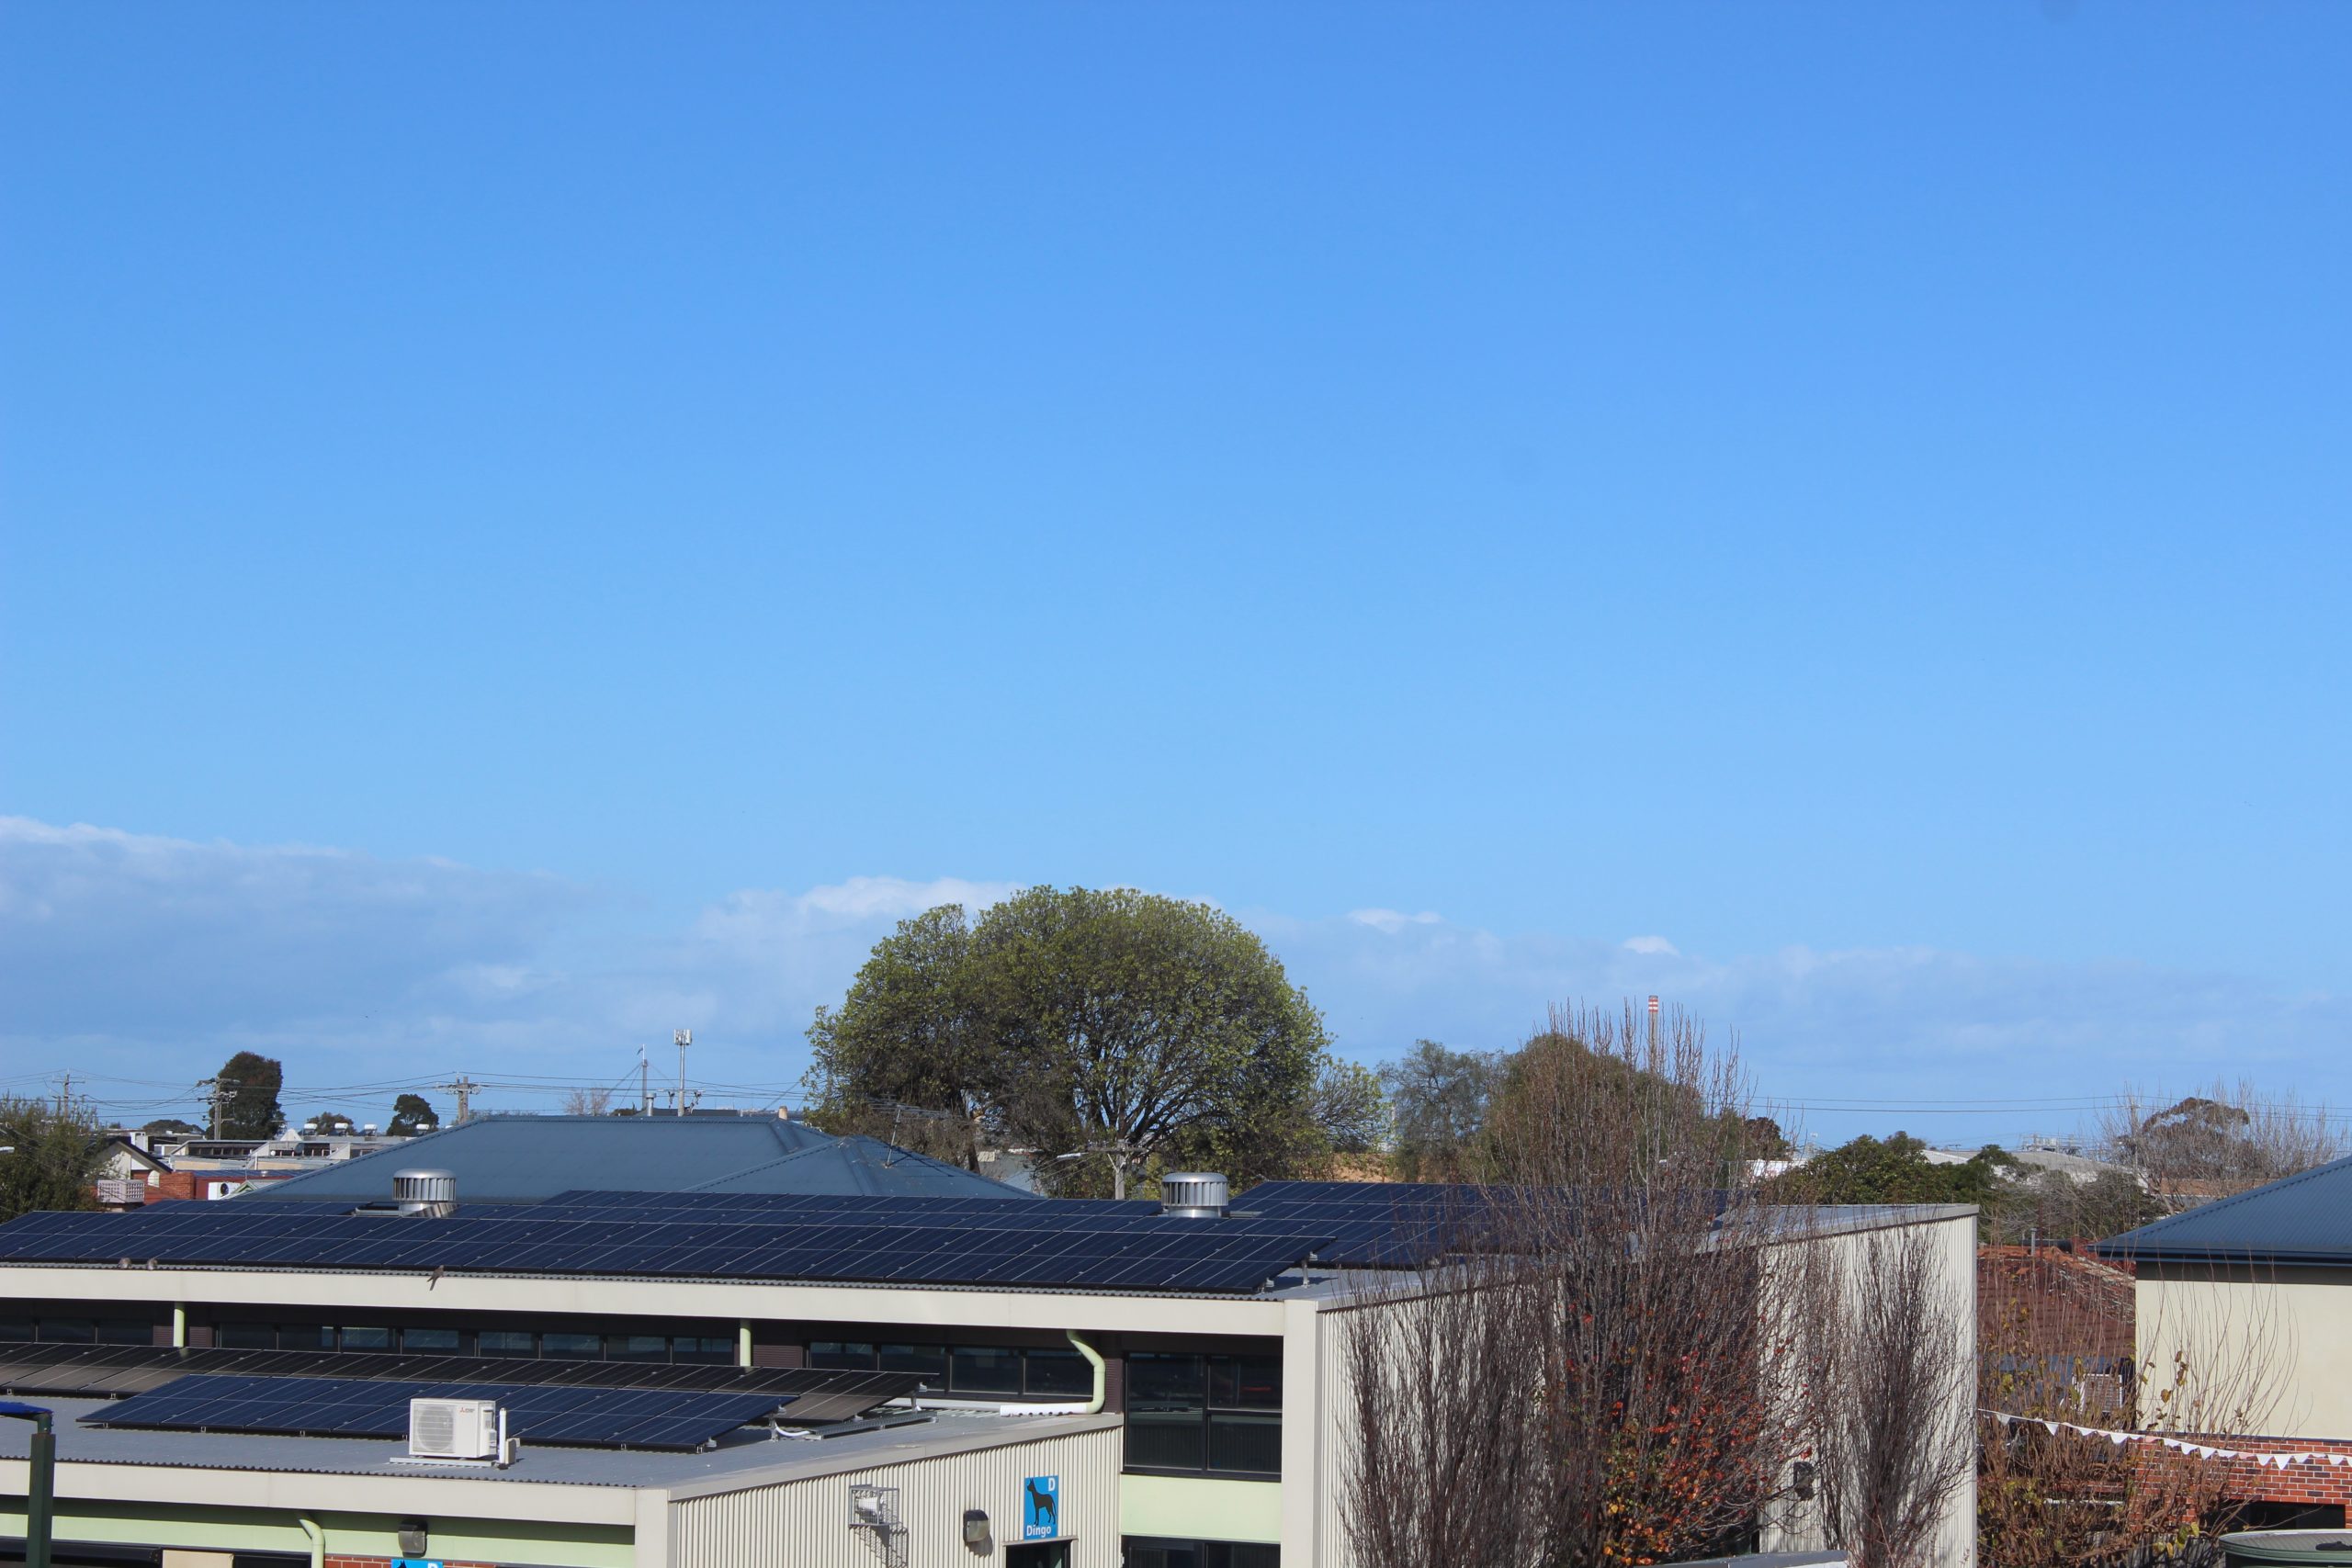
842, 1355
984, 1369
1205, 1412
711, 1349
126, 1331
1059, 1374
367, 1338
305, 1337
571, 1347
432, 1342
68, 1331
1038, 1554
244, 1337
637, 1346
16, 1329
508, 1342
928, 1360
1151, 1551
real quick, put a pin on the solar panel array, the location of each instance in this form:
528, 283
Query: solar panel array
1378, 1223
897, 1240
360, 1407
112, 1371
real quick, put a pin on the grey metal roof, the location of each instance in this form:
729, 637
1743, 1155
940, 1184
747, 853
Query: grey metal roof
749, 1459
863, 1166
524, 1159
2301, 1219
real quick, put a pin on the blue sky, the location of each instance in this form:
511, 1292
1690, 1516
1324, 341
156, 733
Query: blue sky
640, 495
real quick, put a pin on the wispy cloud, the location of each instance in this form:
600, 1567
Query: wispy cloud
153, 958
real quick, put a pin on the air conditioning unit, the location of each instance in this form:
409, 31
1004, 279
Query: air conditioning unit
456, 1429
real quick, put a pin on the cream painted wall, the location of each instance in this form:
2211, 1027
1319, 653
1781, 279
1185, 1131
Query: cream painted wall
1186, 1507
2290, 1327
258, 1529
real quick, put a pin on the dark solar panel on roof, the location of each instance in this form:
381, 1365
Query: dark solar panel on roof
815, 1393
908, 1240
354, 1407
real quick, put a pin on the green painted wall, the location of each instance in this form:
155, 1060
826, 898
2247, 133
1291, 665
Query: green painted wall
1199, 1508
365, 1535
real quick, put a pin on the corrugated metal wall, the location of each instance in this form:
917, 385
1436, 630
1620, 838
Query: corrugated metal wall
805, 1524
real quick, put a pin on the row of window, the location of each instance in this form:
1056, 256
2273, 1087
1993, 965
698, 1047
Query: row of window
1192, 1413
1152, 1551
541, 1343
77, 1330
989, 1369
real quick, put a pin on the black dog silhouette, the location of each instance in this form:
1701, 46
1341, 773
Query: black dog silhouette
1041, 1505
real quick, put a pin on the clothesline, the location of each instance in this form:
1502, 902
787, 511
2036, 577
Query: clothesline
2179, 1445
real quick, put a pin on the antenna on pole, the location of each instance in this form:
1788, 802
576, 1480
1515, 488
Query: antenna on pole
685, 1037
644, 1084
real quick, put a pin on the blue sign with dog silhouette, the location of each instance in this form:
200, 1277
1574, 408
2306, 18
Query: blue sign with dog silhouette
1041, 1507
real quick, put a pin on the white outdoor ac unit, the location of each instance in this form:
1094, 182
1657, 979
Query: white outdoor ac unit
454, 1429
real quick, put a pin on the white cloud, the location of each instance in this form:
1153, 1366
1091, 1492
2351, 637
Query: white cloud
108, 931
153, 958
1391, 921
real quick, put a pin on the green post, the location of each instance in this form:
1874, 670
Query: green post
41, 1493
40, 1480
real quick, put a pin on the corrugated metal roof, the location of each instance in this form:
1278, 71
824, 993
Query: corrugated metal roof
862, 1166
523, 1159
2301, 1219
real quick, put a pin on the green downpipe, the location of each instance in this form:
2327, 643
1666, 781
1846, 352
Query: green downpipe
1101, 1373
318, 1541
179, 1326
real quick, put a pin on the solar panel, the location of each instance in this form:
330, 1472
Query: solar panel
908, 1241
354, 1407
814, 1393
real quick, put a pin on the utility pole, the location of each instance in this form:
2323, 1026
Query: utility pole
65, 1097
461, 1087
685, 1037
222, 1091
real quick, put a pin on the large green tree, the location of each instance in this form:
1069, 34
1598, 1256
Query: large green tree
1127, 1030
251, 1109
1440, 1097
412, 1115
1897, 1171
53, 1160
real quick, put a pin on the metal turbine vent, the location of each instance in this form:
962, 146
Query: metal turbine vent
1193, 1195
433, 1193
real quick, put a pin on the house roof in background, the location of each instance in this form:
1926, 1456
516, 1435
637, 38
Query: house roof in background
526, 1160
2300, 1219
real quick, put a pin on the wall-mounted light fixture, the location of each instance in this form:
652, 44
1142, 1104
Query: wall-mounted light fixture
413, 1538
975, 1529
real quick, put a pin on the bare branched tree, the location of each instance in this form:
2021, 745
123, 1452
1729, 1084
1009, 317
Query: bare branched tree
587, 1101
2221, 1142
1603, 1370
2210, 1364
1891, 1396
